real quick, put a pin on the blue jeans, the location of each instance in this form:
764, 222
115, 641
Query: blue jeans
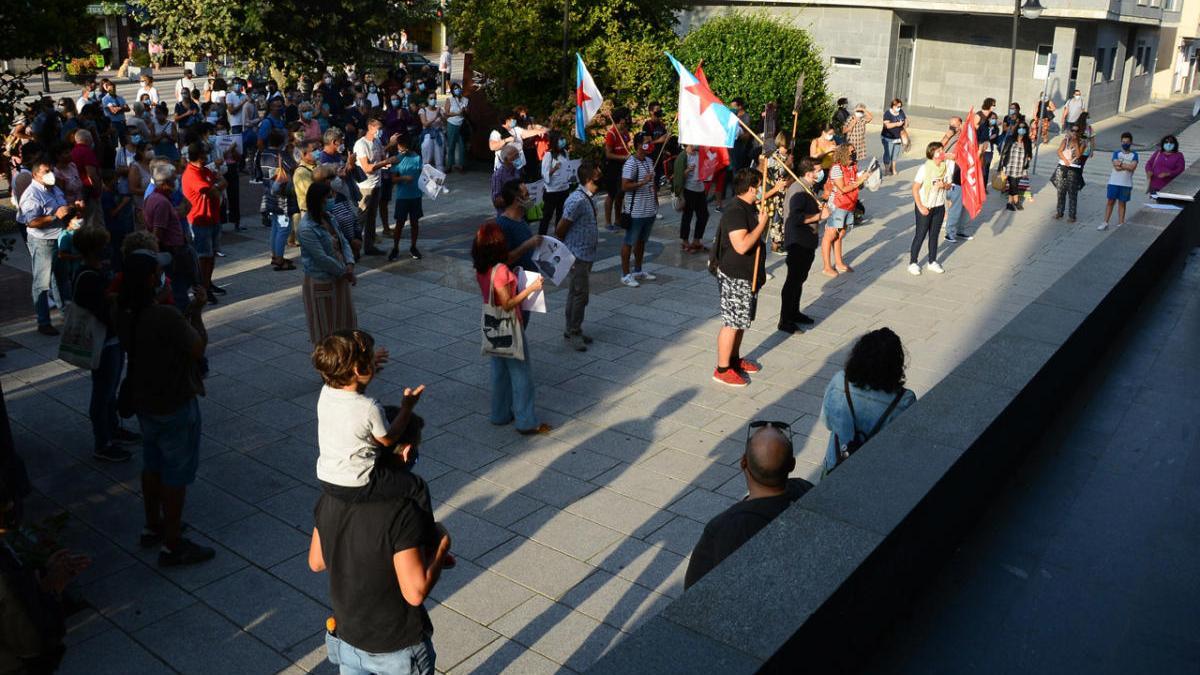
954, 209
456, 145
639, 230
171, 444
102, 409
891, 150
45, 264
512, 392
415, 660
281, 224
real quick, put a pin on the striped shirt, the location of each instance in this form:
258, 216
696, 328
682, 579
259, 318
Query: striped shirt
643, 202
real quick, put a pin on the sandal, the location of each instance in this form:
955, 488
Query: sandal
542, 428
287, 265
698, 247
830, 273
845, 268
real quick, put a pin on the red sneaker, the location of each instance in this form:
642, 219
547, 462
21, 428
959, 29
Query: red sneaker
748, 366
730, 377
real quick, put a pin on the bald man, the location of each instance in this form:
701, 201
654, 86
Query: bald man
766, 464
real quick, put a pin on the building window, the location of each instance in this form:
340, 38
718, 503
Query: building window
1041, 63
1141, 58
1141, 3
1099, 76
1169, 6
846, 62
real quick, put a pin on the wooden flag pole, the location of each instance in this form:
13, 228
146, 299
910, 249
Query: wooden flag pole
760, 141
619, 134
663, 146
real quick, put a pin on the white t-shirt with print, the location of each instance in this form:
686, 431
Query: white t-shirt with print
235, 119
347, 425
1118, 177
458, 104
931, 198
515, 141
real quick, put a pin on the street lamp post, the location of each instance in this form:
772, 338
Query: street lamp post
1031, 10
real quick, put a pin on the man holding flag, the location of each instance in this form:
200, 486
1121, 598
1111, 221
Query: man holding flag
952, 144
974, 192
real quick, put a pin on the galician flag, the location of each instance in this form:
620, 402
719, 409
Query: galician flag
712, 160
587, 98
967, 159
703, 118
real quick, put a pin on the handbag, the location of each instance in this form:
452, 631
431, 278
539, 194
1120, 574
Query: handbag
1056, 178
852, 446
677, 203
714, 253
83, 337
626, 219
501, 328
999, 181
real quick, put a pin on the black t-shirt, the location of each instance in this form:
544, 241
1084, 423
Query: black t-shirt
740, 216
800, 206
735, 526
358, 542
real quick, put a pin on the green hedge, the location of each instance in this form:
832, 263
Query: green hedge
758, 58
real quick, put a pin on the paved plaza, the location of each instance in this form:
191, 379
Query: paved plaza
565, 542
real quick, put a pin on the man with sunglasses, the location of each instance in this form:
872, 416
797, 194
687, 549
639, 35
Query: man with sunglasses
766, 464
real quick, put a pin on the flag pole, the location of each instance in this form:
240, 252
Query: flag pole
619, 135
760, 142
663, 146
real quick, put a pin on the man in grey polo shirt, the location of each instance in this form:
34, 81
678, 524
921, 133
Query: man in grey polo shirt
44, 212
578, 231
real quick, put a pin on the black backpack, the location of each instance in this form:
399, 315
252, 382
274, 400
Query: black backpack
852, 446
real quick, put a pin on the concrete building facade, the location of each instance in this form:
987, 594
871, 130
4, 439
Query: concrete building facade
949, 56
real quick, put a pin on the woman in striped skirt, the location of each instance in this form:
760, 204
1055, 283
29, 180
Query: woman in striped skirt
328, 268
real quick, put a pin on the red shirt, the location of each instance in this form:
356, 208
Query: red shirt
505, 278
198, 182
612, 142
82, 156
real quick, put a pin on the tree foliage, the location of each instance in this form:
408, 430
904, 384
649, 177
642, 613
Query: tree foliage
38, 29
291, 35
517, 45
758, 58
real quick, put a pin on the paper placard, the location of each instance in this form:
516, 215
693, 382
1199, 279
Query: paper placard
554, 259
571, 166
536, 189
221, 143
432, 182
536, 302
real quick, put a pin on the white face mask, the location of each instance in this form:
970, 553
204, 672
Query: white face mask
820, 176
48, 179
829, 137
858, 113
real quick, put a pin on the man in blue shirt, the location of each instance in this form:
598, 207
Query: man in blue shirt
579, 232
405, 174
44, 211
114, 106
511, 219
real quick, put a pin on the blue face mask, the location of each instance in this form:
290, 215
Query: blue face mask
421, 86
1126, 146
458, 92
329, 203
307, 114
562, 143
1022, 131
136, 138
395, 103
993, 121
1169, 147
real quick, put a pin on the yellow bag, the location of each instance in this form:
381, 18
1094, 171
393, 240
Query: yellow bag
999, 181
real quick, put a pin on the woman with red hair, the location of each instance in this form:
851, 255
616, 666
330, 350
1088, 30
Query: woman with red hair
512, 380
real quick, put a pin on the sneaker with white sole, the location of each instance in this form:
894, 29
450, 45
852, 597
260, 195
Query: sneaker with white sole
1102, 226
648, 276
629, 281
914, 269
950, 238
935, 268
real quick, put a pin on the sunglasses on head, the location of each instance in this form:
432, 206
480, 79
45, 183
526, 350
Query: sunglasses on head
783, 427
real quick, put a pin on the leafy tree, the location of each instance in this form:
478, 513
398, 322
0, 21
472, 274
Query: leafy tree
517, 45
292, 35
42, 29
757, 58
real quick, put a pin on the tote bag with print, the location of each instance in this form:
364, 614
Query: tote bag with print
502, 334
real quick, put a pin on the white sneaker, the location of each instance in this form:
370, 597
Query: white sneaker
914, 269
630, 281
648, 276
935, 268
1102, 226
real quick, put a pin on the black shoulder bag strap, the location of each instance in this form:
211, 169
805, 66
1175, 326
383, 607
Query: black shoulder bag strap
882, 418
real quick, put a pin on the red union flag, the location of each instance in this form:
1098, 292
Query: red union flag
967, 159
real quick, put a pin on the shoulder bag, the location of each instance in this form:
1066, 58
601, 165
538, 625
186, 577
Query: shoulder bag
501, 328
83, 336
844, 450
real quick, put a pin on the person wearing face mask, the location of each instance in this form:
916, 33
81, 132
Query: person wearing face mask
616, 151
929, 200
308, 122
114, 106
1165, 164
639, 205
803, 213
164, 134
44, 211
688, 187
954, 202
203, 188
519, 239
328, 263
83, 155
1072, 110
370, 153
187, 112
778, 180
139, 174
1068, 175
405, 175
579, 233
840, 117
558, 181
656, 130
988, 134
235, 106
895, 122
842, 189
444, 62
1120, 181
1008, 125
1044, 114
821, 148
455, 111
1014, 162
147, 89
855, 128
433, 135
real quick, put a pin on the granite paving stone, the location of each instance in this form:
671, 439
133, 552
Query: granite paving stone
265, 607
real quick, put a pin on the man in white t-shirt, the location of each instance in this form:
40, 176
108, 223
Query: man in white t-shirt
507, 133
369, 153
444, 68
184, 84
1072, 110
235, 104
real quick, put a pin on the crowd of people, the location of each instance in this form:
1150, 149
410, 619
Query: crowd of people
124, 203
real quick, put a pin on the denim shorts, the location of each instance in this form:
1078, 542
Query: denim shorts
171, 444
841, 219
639, 230
204, 240
416, 659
